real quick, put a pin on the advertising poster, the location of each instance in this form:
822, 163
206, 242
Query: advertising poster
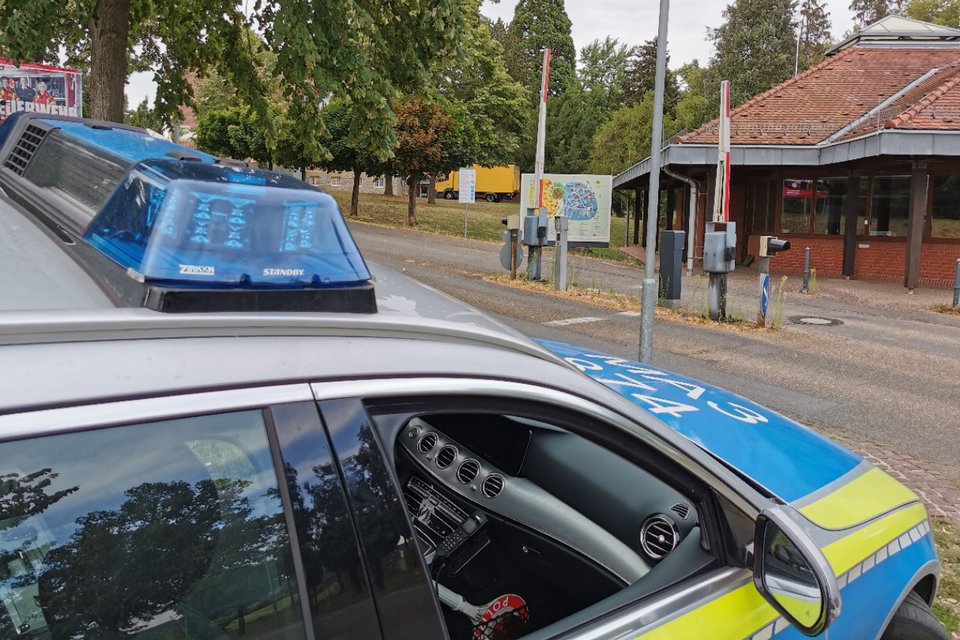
39, 88
584, 199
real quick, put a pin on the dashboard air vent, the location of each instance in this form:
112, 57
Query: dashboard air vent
468, 470
492, 485
681, 509
427, 443
658, 536
446, 456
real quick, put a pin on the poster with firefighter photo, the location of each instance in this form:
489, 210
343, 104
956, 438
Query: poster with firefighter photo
39, 88
584, 199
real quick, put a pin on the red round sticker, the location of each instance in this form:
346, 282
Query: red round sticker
496, 624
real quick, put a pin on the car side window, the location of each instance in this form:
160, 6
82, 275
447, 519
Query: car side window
529, 527
168, 529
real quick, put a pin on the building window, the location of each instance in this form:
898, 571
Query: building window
945, 218
335, 181
829, 213
795, 212
889, 206
378, 183
314, 181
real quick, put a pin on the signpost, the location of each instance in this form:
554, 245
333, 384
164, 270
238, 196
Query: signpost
468, 192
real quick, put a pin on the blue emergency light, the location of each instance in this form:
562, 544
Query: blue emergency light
179, 231
185, 223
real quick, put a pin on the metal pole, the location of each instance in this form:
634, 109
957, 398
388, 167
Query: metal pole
626, 229
465, 205
806, 272
514, 234
956, 286
560, 254
648, 298
764, 291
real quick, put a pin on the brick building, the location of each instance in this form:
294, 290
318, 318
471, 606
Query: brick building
857, 158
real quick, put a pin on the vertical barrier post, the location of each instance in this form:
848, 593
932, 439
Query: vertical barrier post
806, 273
956, 286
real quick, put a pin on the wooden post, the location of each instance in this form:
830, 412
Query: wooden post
918, 209
850, 232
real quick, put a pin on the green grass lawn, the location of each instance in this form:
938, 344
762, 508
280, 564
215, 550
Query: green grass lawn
446, 218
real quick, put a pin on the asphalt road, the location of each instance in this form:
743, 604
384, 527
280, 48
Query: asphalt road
886, 376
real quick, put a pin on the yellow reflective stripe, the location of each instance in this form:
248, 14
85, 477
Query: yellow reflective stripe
847, 552
743, 611
733, 615
862, 498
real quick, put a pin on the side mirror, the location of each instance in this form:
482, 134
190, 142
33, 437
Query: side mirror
792, 574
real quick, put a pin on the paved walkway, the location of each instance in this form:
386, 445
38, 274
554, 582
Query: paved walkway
937, 484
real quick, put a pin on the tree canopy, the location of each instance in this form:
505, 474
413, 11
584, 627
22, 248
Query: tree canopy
539, 25
755, 46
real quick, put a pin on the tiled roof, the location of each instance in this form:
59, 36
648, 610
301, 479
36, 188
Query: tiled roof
822, 101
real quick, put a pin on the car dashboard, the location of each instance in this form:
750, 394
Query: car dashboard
508, 506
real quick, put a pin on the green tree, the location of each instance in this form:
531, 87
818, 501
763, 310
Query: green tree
575, 118
624, 139
640, 75
429, 141
603, 66
539, 25
113, 37
338, 118
945, 12
479, 85
868, 11
813, 32
144, 117
236, 133
700, 99
362, 50
755, 46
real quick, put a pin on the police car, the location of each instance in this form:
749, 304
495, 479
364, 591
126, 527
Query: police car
217, 421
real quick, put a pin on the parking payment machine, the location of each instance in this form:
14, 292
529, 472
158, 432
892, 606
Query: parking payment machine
719, 259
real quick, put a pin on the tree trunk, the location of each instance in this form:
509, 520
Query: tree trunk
355, 196
303, 174
109, 29
432, 191
412, 200
388, 185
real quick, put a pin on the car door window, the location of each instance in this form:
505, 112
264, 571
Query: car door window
525, 520
171, 529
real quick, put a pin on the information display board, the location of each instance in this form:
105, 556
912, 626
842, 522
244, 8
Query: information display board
39, 88
584, 199
468, 186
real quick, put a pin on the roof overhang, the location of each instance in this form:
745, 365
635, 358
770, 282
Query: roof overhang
899, 143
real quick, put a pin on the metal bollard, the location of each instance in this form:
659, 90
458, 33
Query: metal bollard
806, 273
956, 286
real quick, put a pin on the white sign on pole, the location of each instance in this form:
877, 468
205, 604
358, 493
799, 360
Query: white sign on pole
468, 186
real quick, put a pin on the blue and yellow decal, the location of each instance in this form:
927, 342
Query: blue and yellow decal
783, 456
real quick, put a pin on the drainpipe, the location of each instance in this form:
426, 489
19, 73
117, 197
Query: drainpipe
692, 226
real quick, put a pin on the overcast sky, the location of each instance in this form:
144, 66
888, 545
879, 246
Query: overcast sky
630, 21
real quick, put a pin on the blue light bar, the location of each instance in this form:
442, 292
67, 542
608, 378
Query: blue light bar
132, 146
188, 224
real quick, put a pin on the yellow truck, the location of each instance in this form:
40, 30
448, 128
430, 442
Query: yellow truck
493, 183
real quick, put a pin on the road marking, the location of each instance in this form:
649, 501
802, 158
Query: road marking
569, 321
631, 314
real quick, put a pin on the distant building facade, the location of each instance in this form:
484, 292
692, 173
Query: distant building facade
343, 181
857, 158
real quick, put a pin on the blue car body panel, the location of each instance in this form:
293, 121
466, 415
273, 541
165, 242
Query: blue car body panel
788, 459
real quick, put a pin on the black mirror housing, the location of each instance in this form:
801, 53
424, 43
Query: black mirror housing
793, 575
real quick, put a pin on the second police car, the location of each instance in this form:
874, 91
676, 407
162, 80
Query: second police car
216, 420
